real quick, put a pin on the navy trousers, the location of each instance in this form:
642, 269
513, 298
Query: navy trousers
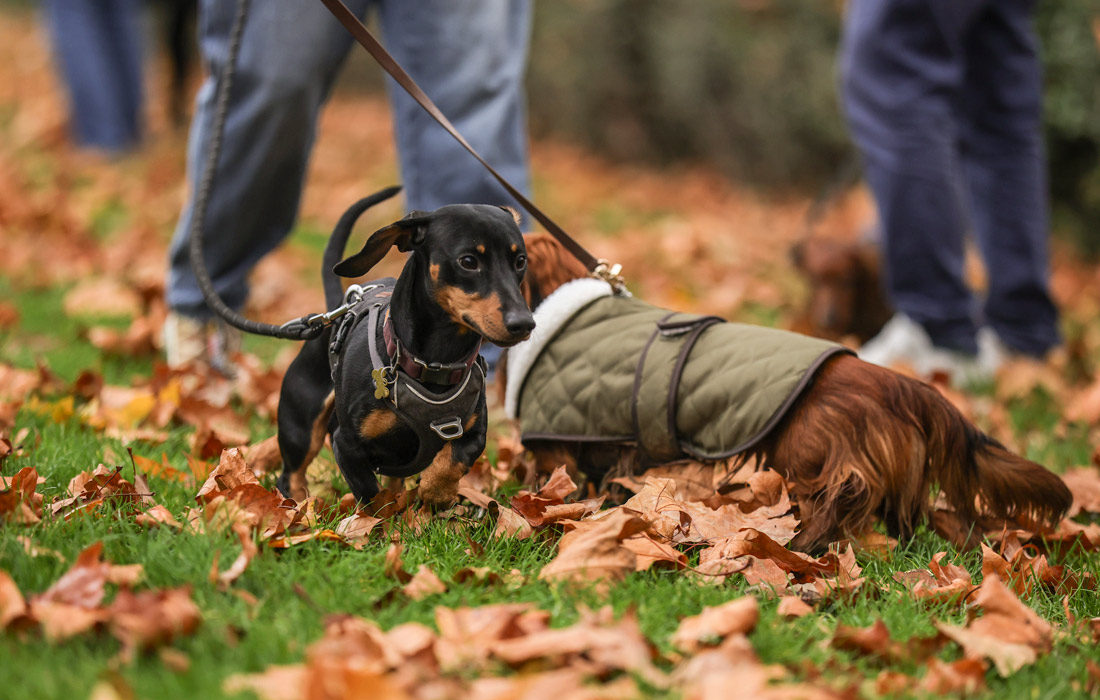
944, 100
97, 45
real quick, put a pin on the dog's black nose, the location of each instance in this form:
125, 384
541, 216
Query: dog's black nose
519, 323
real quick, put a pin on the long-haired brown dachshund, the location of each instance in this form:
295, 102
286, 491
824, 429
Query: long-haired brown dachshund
856, 442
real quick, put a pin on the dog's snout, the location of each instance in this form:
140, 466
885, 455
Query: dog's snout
519, 323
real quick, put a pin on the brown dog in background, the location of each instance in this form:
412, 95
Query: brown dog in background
846, 295
861, 442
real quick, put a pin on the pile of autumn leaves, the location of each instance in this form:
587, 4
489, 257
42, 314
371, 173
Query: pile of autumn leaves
738, 521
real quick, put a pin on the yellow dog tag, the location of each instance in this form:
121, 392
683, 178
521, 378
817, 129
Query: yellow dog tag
381, 390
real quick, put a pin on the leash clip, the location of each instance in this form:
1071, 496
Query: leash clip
610, 273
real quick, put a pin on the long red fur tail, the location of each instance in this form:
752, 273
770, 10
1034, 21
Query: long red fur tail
866, 441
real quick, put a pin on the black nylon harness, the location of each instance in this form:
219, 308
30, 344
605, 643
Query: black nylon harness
435, 417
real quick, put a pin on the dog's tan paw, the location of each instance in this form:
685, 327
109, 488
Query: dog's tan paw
439, 482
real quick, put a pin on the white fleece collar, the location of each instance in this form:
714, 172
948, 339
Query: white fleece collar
550, 315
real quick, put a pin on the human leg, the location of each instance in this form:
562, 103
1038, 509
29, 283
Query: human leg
469, 56
1001, 140
290, 54
901, 67
98, 49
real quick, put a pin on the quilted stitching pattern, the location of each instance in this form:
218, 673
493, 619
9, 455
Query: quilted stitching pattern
736, 378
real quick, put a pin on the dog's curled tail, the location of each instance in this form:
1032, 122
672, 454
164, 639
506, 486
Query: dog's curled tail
982, 479
337, 242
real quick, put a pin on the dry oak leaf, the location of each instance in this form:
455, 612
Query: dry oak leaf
394, 566
12, 605
649, 552
1085, 405
148, 619
962, 677
682, 521
509, 522
158, 516
733, 670
101, 296
356, 528
232, 471
944, 583
161, 469
467, 635
1084, 484
732, 552
714, 624
275, 683
244, 499
72, 604
90, 490
549, 506
875, 642
1009, 633
18, 501
596, 553
598, 639
791, 606
423, 584
557, 684
264, 456
249, 550
694, 480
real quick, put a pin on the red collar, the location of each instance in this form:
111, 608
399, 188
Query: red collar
420, 370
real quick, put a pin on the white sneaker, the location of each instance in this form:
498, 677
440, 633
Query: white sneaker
188, 340
992, 352
903, 341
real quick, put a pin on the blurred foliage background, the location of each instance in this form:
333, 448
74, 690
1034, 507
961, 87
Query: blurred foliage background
749, 87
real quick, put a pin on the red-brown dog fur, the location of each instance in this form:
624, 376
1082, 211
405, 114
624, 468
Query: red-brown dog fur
846, 295
864, 442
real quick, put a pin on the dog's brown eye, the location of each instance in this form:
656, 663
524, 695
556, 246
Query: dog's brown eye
521, 262
468, 262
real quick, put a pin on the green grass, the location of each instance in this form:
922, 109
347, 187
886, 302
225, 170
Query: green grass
236, 637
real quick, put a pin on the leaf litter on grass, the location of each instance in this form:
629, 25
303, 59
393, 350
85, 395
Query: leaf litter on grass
699, 526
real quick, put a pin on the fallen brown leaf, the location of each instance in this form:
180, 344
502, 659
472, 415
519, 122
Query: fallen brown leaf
1084, 484
18, 501
792, 606
596, 553
712, 625
1009, 633
423, 584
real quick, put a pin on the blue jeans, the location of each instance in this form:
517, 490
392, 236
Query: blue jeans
97, 44
468, 55
944, 100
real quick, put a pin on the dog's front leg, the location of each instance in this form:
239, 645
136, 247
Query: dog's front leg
354, 465
439, 482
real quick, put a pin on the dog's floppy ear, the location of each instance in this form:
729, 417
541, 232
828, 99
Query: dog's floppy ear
405, 234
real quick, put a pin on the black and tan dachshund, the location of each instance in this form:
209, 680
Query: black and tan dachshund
398, 383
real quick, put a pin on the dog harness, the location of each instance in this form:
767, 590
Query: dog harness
400, 379
604, 368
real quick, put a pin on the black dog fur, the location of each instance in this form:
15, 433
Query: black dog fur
460, 284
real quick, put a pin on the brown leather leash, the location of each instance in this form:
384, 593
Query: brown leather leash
312, 325
357, 29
